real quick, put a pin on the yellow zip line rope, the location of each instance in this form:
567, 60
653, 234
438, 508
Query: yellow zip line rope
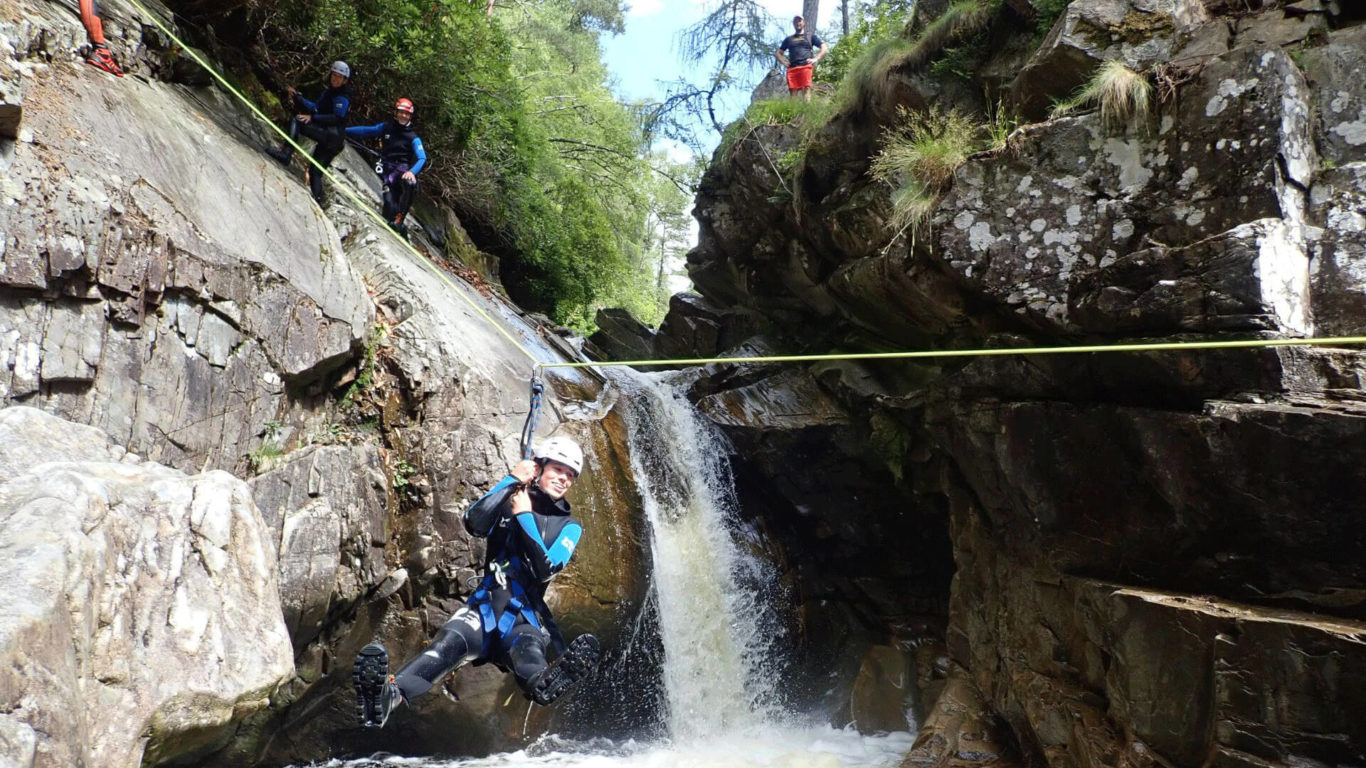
1159, 346
1167, 346
364, 206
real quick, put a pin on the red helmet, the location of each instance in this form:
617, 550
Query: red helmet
404, 105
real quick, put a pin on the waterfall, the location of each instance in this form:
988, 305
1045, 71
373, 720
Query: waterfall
714, 606
721, 668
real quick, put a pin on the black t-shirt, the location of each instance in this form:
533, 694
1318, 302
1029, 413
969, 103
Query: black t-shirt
799, 48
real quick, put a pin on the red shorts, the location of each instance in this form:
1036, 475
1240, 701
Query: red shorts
799, 77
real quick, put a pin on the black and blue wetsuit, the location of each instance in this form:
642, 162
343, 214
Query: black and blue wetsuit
506, 620
400, 150
326, 126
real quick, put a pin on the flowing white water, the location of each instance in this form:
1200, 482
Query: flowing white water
722, 668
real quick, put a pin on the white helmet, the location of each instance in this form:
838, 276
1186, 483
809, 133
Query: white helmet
563, 450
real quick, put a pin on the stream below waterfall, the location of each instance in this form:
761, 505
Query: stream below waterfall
720, 700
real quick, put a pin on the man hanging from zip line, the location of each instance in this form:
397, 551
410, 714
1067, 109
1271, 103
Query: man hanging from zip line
799, 62
531, 536
401, 157
99, 55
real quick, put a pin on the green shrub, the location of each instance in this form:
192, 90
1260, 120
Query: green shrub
866, 71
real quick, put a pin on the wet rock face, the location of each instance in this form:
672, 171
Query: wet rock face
171, 285
168, 587
158, 289
1142, 546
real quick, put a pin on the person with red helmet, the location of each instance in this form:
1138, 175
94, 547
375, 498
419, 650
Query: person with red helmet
401, 158
99, 55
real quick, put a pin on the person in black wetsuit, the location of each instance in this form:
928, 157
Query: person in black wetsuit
531, 536
323, 121
401, 157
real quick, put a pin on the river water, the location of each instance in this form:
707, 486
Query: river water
714, 614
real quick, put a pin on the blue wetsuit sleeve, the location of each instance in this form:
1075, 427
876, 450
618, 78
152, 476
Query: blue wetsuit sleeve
484, 514
421, 156
544, 561
305, 104
338, 115
365, 131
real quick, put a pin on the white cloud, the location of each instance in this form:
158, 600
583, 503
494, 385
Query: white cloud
640, 9
677, 152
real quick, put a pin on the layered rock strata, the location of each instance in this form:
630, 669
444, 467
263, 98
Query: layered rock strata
163, 280
1142, 547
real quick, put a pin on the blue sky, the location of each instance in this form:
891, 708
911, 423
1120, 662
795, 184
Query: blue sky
647, 52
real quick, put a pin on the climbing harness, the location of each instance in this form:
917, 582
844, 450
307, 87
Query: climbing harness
533, 411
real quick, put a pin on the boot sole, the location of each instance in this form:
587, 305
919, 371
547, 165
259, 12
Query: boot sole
368, 676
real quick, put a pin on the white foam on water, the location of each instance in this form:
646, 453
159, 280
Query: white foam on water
778, 747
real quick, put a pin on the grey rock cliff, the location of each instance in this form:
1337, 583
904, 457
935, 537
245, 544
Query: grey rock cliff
169, 284
164, 626
1114, 559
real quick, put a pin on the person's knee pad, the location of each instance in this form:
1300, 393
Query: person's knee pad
526, 654
446, 651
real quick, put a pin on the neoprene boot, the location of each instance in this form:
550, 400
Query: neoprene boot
578, 662
315, 184
376, 693
282, 155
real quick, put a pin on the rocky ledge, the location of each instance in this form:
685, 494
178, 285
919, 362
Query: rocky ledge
1139, 559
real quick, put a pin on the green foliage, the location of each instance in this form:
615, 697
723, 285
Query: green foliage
872, 24
1000, 125
866, 71
919, 157
1046, 14
961, 20
956, 61
524, 137
806, 115
261, 459
402, 474
1123, 95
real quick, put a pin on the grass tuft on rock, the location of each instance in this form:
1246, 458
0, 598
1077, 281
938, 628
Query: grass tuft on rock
960, 20
866, 71
919, 157
1123, 96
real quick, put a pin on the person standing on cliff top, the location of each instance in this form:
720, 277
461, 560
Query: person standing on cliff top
799, 61
401, 157
323, 121
531, 537
99, 55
